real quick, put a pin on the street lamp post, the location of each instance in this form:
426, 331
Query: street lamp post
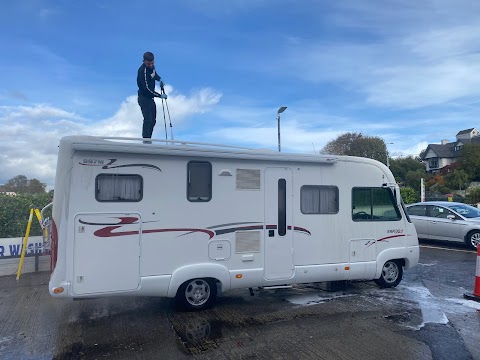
386, 147
281, 110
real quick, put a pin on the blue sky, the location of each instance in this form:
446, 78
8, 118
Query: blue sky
409, 73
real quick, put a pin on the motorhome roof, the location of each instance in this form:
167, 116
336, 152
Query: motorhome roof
187, 148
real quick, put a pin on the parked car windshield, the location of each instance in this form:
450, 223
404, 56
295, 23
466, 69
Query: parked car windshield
465, 210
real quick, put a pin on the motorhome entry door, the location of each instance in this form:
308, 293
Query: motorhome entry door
278, 224
106, 254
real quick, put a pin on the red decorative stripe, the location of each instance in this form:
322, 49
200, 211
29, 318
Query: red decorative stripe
389, 237
107, 231
53, 246
296, 228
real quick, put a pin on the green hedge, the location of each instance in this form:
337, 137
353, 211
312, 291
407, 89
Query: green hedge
14, 212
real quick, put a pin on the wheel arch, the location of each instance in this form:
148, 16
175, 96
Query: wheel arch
215, 272
392, 254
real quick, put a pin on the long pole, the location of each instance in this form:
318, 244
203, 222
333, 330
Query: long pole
278, 121
25, 243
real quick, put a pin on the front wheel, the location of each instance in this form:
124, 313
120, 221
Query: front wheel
473, 239
196, 294
392, 274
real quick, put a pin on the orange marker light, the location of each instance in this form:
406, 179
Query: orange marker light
58, 290
347, 267
239, 276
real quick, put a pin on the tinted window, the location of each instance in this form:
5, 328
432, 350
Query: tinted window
465, 210
199, 181
417, 210
374, 204
440, 212
118, 187
319, 199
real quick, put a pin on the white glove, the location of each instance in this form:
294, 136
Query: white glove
163, 96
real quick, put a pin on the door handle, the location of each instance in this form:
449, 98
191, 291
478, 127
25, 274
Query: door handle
271, 233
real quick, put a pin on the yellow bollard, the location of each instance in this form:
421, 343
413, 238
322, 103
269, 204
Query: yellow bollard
25, 242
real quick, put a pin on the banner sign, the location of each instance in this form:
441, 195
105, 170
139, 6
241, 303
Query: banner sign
12, 247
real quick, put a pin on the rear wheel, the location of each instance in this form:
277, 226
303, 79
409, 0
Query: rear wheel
473, 239
197, 294
392, 274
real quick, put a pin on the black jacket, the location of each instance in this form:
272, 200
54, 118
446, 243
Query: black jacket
146, 82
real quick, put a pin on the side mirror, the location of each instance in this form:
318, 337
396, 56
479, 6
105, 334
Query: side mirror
451, 217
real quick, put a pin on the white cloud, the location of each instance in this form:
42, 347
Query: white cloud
405, 56
294, 138
40, 111
29, 134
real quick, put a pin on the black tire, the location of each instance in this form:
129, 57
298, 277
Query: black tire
473, 239
196, 294
392, 274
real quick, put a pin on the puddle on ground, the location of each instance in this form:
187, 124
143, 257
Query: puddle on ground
418, 306
429, 306
198, 335
313, 299
468, 303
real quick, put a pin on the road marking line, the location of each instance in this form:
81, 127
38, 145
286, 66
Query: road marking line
442, 248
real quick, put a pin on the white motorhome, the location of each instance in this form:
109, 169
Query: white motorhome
178, 219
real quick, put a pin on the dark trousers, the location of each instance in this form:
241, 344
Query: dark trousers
149, 112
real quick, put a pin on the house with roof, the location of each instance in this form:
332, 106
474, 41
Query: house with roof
438, 156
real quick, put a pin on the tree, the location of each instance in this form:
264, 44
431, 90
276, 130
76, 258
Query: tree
36, 187
14, 212
357, 144
470, 160
21, 185
413, 179
341, 145
18, 184
401, 166
457, 180
435, 179
474, 195
409, 195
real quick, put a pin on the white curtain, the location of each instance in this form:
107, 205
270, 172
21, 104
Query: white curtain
118, 188
319, 199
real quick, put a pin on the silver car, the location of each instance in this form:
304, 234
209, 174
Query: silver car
443, 220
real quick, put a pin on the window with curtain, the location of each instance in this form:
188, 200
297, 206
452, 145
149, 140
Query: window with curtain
319, 199
199, 181
119, 187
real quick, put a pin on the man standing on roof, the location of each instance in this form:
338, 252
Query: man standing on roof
146, 92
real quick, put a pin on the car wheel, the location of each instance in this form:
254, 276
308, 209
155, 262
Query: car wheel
392, 274
196, 294
473, 239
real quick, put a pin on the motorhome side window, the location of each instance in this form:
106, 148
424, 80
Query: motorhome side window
374, 204
319, 199
199, 181
118, 187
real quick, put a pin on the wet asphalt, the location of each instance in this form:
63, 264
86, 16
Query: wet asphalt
425, 317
